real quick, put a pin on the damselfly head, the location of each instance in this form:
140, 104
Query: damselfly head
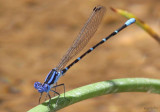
41, 87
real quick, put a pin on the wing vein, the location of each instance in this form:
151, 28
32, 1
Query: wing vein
84, 36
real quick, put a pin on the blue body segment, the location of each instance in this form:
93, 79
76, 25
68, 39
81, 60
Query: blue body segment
47, 76
79, 58
104, 39
116, 31
66, 68
130, 21
52, 77
91, 49
42, 88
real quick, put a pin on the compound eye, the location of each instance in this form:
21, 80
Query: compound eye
37, 85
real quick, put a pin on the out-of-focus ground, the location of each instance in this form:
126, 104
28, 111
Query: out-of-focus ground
34, 35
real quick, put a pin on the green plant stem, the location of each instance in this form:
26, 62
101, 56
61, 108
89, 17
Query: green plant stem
101, 88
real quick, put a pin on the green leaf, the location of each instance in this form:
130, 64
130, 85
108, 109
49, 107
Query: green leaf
99, 89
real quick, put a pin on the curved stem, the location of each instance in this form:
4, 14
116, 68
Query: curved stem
101, 88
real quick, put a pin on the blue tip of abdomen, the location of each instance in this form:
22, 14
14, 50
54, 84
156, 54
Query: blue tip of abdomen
130, 21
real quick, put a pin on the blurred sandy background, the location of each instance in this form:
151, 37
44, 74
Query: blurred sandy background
34, 35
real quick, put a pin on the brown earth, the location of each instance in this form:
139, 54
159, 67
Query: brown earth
34, 34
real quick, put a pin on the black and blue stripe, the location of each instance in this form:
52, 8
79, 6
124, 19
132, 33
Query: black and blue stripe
51, 77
